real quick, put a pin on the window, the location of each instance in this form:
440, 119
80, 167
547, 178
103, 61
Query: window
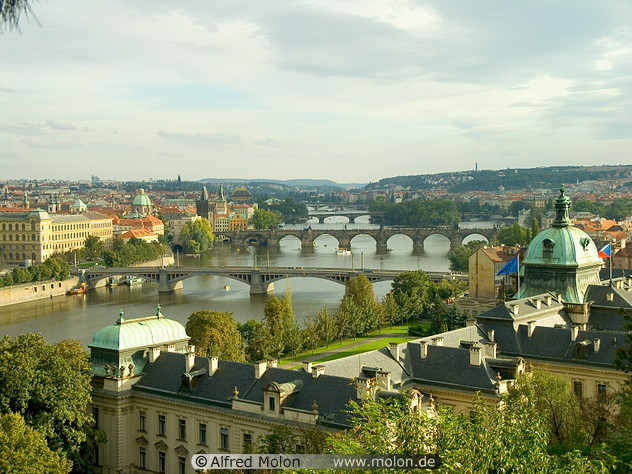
272, 404
202, 439
547, 248
162, 421
182, 464
578, 388
162, 462
223, 439
602, 389
247, 442
95, 454
142, 457
142, 416
182, 428
95, 415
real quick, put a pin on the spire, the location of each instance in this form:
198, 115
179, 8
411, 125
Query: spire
204, 196
562, 204
221, 196
121, 319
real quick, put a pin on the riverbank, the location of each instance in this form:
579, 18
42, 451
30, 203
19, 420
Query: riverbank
35, 290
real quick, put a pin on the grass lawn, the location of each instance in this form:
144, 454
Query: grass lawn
371, 346
401, 331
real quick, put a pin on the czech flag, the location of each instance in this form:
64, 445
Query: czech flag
604, 252
510, 267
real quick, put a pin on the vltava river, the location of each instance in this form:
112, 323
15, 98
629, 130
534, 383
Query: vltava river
79, 316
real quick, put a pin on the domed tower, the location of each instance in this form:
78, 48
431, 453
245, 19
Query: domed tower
561, 259
142, 204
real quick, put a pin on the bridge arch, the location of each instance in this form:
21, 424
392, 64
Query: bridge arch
254, 238
323, 220
320, 239
474, 236
403, 237
363, 234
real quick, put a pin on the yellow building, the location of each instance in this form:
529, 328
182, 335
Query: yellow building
484, 264
36, 235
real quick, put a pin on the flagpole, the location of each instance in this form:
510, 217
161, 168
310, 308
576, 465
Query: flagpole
610, 244
518, 255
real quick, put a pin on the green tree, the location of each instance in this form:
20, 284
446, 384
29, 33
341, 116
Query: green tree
460, 256
412, 293
23, 450
93, 248
326, 326
49, 385
215, 334
265, 219
552, 397
197, 236
515, 234
508, 438
359, 306
281, 439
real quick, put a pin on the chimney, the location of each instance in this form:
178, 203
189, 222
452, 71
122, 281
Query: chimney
491, 334
530, 328
423, 349
610, 297
362, 388
491, 349
515, 308
317, 371
213, 364
538, 304
307, 366
260, 368
437, 341
559, 297
190, 358
383, 379
272, 363
393, 347
549, 300
574, 332
154, 352
476, 356
171, 348
596, 344
469, 322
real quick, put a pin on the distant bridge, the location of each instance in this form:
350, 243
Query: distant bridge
381, 235
376, 217
261, 280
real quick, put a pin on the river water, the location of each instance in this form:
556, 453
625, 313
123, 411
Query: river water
79, 316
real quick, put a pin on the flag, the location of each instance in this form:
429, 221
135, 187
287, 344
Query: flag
510, 267
604, 252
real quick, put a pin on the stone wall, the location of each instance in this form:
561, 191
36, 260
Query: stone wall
35, 290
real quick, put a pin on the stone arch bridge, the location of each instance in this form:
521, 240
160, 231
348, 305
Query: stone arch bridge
307, 236
261, 280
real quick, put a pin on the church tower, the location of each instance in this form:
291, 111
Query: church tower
202, 205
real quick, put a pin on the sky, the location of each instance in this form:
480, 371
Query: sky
352, 91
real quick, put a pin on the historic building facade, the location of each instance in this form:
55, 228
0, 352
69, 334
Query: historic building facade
36, 235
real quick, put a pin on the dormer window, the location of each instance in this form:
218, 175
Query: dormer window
547, 248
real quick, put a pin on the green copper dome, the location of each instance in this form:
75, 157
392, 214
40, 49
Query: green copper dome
141, 332
141, 199
561, 259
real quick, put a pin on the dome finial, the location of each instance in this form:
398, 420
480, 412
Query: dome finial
562, 204
158, 310
120, 319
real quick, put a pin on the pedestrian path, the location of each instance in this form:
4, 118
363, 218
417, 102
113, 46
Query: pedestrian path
344, 347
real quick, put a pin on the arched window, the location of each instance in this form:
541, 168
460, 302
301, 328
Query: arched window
547, 248
10, 227
23, 226
4, 227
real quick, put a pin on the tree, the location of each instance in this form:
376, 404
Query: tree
11, 10
411, 292
93, 248
515, 234
326, 326
49, 385
460, 256
552, 397
215, 334
23, 450
265, 219
282, 439
197, 236
510, 437
358, 307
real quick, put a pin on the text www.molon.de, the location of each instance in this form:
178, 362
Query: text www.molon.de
314, 461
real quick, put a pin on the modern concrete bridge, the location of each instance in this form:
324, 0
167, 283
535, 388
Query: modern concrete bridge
261, 280
307, 236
